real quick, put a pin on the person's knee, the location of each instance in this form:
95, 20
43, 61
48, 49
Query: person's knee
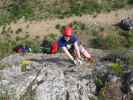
82, 49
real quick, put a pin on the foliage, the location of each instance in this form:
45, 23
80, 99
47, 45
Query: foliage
117, 68
72, 8
130, 1
15, 9
78, 25
8, 44
5, 95
105, 93
4, 17
5, 48
130, 39
20, 8
52, 37
4, 98
84, 7
99, 82
41, 9
115, 39
128, 35
130, 60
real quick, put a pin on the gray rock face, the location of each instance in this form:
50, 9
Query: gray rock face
52, 77
65, 85
15, 83
12, 59
49, 79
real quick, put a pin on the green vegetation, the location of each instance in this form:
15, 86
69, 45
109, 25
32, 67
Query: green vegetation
103, 37
130, 60
77, 7
105, 93
4, 95
15, 9
99, 37
42, 9
5, 48
117, 68
8, 44
20, 8
4, 98
52, 37
114, 39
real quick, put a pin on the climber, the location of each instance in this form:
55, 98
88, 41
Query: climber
70, 44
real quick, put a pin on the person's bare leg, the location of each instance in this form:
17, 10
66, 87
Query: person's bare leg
85, 52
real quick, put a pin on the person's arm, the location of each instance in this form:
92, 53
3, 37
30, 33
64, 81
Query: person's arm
77, 50
68, 53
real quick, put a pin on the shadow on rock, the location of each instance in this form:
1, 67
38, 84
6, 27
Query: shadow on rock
56, 60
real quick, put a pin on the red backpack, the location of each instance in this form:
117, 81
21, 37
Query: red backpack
54, 47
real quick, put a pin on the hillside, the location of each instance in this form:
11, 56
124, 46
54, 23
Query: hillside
12, 10
45, 27
29, 72
90, 27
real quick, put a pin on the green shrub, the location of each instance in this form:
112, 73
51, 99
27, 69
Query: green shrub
103, 95
130, 1
128, 35
52, 37
118, 4
4, 18
130, 61
34, 44
117, 68
98, 42
78, 25
85, 7
114, 41
8, 44
4, 97
41, 9
99, 82
14, 10
130, 39
111, 91
5, 48
19, 9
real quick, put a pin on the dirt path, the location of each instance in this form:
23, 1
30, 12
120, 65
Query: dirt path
45, 27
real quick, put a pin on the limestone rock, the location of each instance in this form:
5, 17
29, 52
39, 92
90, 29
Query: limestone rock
49, 79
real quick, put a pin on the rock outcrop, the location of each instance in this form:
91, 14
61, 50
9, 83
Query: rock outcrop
47, 78
54, 77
